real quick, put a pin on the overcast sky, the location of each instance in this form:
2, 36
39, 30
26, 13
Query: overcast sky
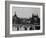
25, 12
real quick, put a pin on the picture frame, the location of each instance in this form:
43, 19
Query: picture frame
25, 8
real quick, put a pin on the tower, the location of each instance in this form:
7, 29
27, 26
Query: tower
35, 19
15, 15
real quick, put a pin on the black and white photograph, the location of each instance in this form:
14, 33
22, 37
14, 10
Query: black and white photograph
24, 18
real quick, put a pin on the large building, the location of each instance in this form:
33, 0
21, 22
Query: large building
26, 24
32, 20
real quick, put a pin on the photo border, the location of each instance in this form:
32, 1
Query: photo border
7, 17
31, 31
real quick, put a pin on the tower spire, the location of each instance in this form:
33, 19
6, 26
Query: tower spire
15, 14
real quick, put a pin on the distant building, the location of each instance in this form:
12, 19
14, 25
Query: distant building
34, 20
33, 23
